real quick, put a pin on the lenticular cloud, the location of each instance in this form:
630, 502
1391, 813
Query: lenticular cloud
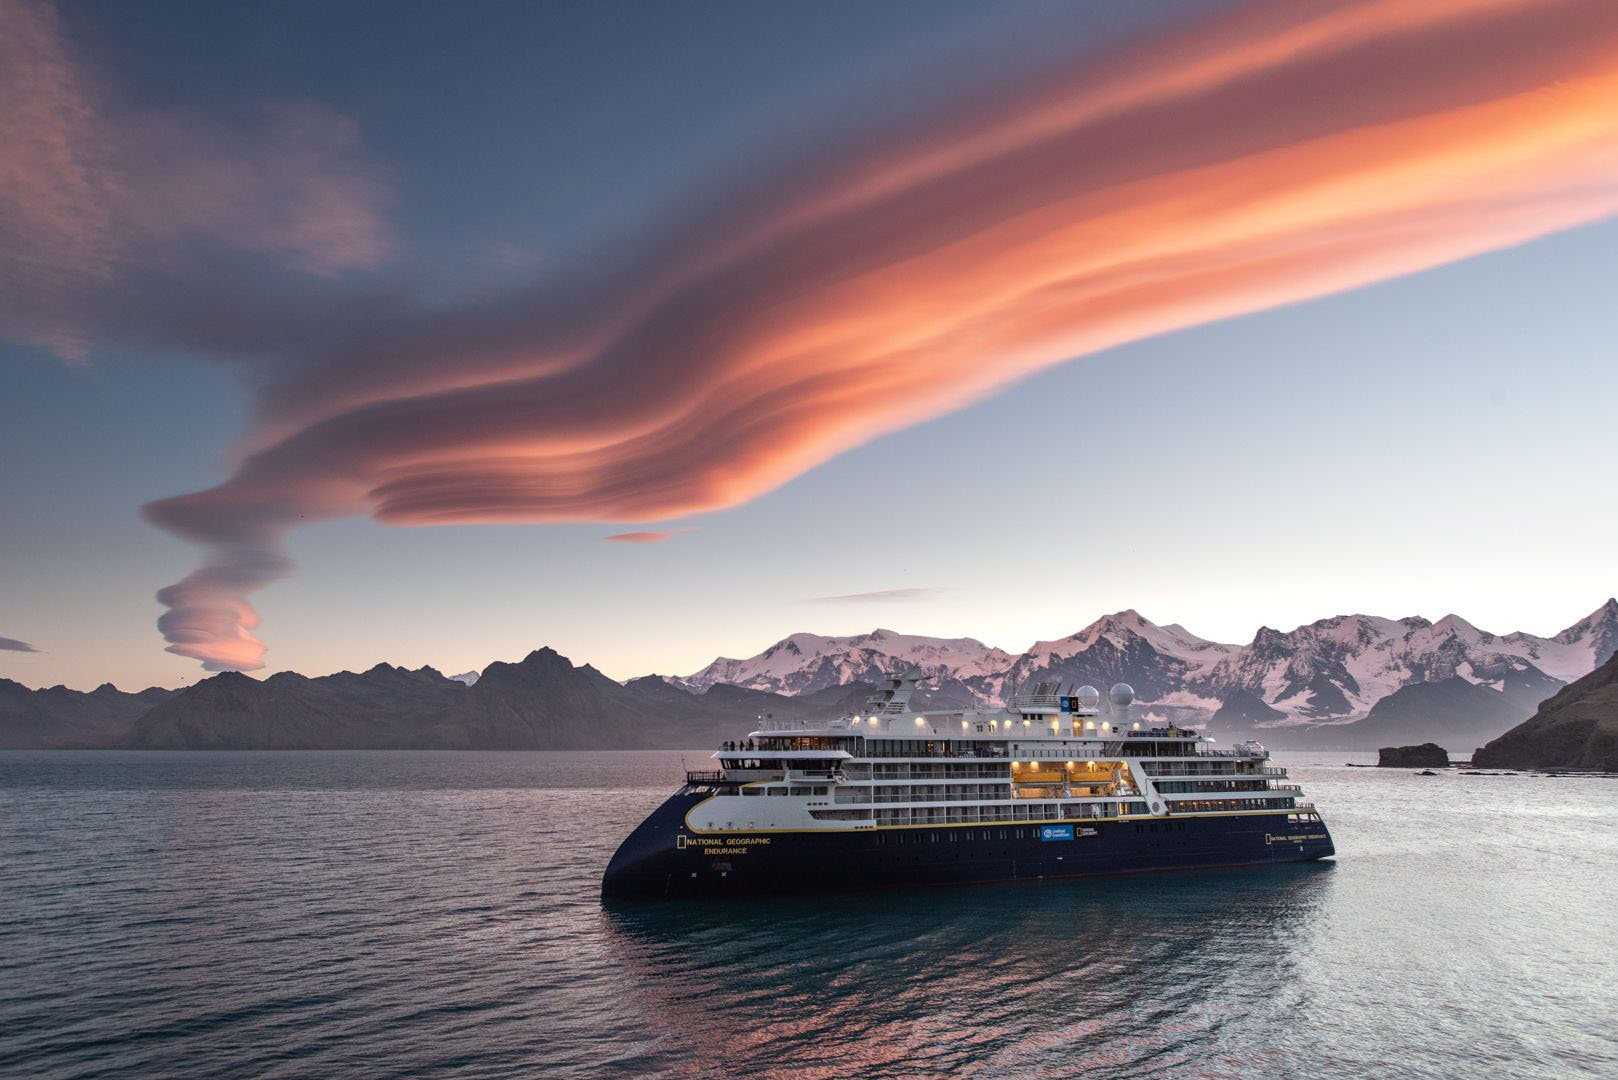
1278, 153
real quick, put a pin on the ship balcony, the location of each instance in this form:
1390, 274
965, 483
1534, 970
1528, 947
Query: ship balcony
1064, 791
988, 815
1188, 770
705, 776
818, 776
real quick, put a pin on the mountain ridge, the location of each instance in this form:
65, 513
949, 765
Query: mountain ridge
1348, 681
1331, 673
542, 702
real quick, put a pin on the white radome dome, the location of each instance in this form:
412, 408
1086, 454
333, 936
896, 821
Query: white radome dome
1122, 694
1089, 697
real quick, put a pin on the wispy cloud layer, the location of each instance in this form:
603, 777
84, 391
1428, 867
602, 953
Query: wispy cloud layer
881, 596
13, 645
645, 537
1269, 155
132, 224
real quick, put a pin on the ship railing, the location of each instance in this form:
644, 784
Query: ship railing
1293, 788
1198, 770
989, 819
704, 776
1271, 771
1091, 811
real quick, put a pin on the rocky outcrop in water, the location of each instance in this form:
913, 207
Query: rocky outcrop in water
1425, 756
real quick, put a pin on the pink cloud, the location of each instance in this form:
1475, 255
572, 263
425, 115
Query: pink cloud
95, 195
1275, 154
638, 537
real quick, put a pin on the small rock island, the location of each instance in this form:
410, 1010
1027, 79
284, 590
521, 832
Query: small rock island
1426, 756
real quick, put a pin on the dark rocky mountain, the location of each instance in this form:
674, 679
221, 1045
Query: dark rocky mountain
58, 718
286, 711
1575, 729
1452, 712
544, 702
1243, 710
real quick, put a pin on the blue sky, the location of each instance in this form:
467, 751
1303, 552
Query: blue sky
1429, 443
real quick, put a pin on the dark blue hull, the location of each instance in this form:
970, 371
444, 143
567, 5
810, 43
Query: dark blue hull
662, 859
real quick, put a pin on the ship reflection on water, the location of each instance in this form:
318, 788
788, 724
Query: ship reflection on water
1036, 979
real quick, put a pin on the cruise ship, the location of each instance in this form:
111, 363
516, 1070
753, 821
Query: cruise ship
1053, 786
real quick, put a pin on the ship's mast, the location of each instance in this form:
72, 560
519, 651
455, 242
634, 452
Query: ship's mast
893, 698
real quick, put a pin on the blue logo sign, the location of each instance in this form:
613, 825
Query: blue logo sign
1056, 832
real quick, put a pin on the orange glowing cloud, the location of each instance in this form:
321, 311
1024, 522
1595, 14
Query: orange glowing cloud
644, 537
1281, 152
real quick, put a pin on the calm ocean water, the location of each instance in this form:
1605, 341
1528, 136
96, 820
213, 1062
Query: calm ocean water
436, 914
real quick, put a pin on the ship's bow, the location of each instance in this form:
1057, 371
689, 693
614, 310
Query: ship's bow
647, 862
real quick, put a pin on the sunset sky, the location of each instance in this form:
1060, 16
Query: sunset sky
657, 332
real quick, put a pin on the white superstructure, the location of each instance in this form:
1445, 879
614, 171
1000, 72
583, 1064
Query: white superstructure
1051, 758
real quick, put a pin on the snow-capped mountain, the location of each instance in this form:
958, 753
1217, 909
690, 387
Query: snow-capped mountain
467, 677
1165, 664
1339, 668
1330, 671
804, 663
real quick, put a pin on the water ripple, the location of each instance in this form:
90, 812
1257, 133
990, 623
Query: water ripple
377, 915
